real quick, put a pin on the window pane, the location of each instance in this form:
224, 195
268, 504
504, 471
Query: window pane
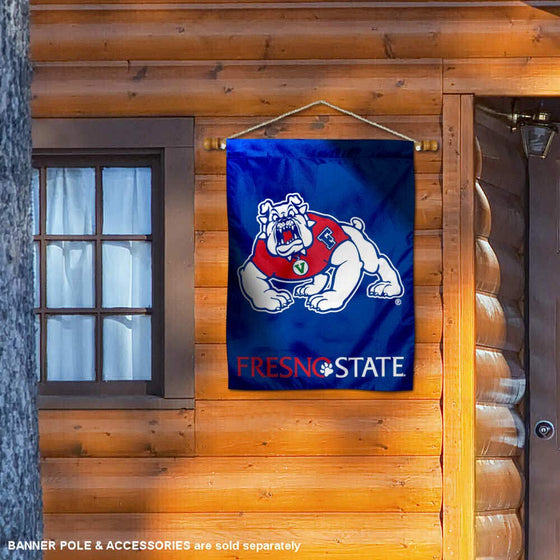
38, 347
35, 194
36, 276
70, 280
70, 201
127, 348
127, 274
70, 348
127, 205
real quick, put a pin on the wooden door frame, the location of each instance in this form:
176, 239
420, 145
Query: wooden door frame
459, 395
463, 79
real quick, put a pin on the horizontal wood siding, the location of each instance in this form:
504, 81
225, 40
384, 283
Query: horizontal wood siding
318, 428
500, 333
244, 31
340, 535
116, 433
144, 88
502, 76
254, 484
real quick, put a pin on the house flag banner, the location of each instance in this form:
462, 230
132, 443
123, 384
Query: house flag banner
320, 282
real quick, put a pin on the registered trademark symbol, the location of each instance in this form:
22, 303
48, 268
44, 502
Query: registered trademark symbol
398, 302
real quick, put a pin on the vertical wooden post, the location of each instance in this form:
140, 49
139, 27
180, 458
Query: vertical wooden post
458, 329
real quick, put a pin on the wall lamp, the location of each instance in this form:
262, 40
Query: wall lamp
537, 133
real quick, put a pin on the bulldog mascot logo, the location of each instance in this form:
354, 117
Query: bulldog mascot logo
325, 258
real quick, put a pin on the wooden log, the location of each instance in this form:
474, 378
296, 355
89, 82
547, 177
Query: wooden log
499, 270
503, 162
477, 158
116, 433
215, 33
500, 432
499, 485
482, 212
201, 484
230, 88
499, 537
498, 324
508, 218
230, 428
500, 378
320, 127
211, 259
211, 203
340, 535
211, 379
502, 76
210, 314
488, 124
487, 267
512, 272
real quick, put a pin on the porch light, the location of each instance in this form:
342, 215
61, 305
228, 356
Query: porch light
537, 133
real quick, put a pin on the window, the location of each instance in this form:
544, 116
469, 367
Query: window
113, 244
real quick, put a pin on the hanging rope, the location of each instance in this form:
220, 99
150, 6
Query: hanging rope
419, 145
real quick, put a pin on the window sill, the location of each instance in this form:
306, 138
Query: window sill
51, 402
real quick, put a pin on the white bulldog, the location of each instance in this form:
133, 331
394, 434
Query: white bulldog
326, 258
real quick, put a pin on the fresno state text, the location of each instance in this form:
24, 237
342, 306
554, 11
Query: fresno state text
322, 367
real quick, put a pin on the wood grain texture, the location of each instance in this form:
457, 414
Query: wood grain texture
343, 536
211, 202
304, 484
237, 428
507, 215
211, 379
482, 212
499, 536
116, 433
499, 485
214, 33
502, 76
211, 259
499, 324
459, 329
210, 314
499, 270
500, 378
487, 267
500, 432
233, 88
503, 163
323, 125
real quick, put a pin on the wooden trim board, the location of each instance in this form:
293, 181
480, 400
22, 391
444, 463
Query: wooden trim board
458, 329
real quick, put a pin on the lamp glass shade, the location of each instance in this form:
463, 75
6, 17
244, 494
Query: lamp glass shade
537, 139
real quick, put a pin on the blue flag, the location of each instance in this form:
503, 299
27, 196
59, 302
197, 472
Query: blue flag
320, 287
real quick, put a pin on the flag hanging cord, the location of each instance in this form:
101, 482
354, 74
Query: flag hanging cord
419, 145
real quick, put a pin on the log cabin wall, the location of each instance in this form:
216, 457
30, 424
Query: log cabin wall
352, 475
500, 223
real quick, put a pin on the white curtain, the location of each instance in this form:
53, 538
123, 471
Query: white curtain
127, 348
70, 348
35, 206
36, 291
127, 200
127, 274
37, 347
70, 280
70, 201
